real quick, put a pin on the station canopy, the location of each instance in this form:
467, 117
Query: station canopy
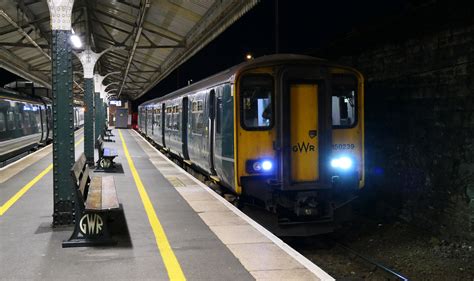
153, 37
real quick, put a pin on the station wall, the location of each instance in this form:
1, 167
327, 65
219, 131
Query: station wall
420, 123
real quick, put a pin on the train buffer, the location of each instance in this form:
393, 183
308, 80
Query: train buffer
106, 155
96, 201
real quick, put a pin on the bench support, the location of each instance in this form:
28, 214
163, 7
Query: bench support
95, 200
91, 229
106, 156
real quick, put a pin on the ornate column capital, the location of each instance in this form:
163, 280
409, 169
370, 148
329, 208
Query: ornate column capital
60, 14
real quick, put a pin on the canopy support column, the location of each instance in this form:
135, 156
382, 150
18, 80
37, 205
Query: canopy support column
63, 123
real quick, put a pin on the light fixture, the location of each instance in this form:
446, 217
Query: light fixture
248, 56
258, 166
343, 163
75, 40
267, 165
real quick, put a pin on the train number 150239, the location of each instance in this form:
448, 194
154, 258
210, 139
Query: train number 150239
343, 146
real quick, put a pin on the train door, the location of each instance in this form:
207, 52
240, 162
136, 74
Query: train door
163, 123
49, 118
42, 123
184, 127
152, 118
303, 132
212, 115
306, 119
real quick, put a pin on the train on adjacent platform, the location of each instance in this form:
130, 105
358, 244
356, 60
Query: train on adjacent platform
282, 132
26, 122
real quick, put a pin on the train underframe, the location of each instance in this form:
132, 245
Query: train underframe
306, 212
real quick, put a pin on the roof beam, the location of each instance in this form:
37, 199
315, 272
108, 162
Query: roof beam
117, 18
103, 24
31, 18
144, 5
220, 16
16, 65
23, 45
129, 4
163, 33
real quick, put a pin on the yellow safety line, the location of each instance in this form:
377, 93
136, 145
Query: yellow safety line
167, 254
4, 208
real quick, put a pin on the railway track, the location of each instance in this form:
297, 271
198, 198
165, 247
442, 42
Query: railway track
378, 265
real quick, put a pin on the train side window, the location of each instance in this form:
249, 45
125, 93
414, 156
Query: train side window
197, 122
218, 114
37, 120
157, 117
256, 106
20, 120
344, 101
177, 120
11, 120
169, 117
3, 126
26, 118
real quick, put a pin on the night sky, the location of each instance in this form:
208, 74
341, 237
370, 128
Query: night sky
304, 26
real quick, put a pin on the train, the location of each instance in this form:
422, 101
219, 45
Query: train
26, 122
284, 133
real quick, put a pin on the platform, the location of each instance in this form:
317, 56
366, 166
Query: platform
175, 227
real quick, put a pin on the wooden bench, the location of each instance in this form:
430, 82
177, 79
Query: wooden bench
106, 155
95, 199
108, 134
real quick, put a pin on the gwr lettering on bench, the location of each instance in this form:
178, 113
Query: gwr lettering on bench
91, 224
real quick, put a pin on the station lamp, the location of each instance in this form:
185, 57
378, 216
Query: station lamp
75, 40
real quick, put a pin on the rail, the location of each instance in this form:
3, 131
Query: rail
377, 264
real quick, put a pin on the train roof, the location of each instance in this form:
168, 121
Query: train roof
228, 75
10, 94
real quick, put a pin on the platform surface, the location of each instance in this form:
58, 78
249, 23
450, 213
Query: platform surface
208, 237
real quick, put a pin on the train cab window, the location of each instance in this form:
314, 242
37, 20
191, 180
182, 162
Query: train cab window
3, 126
256, 92
344, 101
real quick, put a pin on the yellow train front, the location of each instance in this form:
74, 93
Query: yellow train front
282, 132
300, 141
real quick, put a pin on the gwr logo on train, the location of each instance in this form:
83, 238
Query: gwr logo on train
91, 224
303, 147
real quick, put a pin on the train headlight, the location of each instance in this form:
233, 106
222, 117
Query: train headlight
267, 165
343, 163
259, 166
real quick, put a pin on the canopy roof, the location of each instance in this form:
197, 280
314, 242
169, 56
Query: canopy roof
154, 37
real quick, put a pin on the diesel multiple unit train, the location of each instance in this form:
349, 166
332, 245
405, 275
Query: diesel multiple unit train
26, 123
284, 132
